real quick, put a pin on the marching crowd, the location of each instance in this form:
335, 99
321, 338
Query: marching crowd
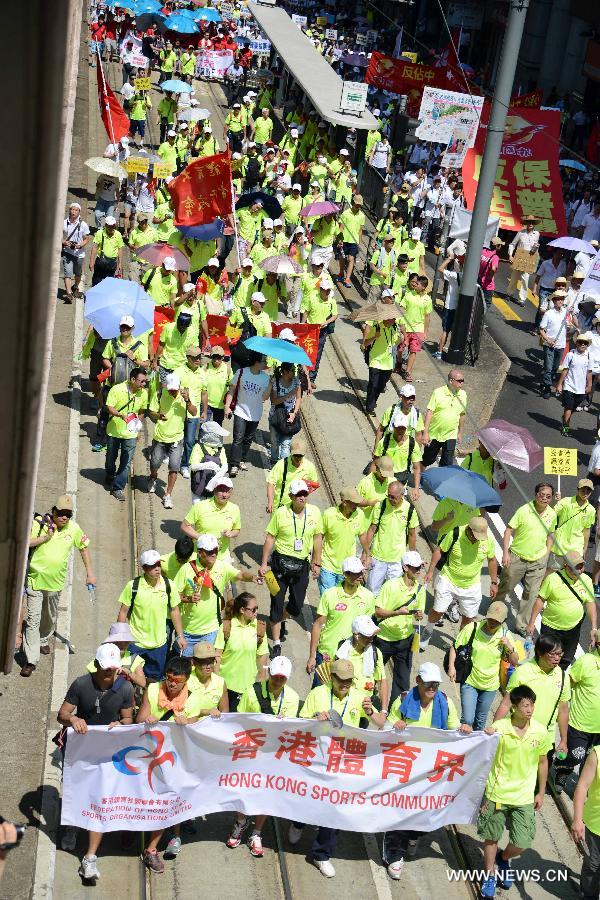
186, 641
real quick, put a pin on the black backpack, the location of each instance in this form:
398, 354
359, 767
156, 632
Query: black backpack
252, 172
240, 354
122, 365
201, 477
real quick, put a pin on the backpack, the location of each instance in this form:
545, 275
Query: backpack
446, 553
122, 365
261, 630
240, 354
216, 592
408, 516
135, 586
201, 477
252, 172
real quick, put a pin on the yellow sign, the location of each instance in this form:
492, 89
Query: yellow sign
142, 84
162, 170
411, 56
321, 20
560, 461
135, 166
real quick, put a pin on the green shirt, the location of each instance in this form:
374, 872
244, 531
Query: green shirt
287, 527
217, 381
162, 288
286, 705
148, 617
514, 769
391, 538
317, 311
108, 244
530, 531
169, 430
191, 709
414, 250
591, 808
339, 537
208, 518
203, 617
263, 129
175, 344
139, 238
121, 398
565, 600
340, 609
425, 715
466, 559
546, 687
352, 224
571, 522
238, 662
398, 453
381, 351
49, 561
209, 693
323, 232
416, 309
364, 683
486, 655
170, 565
370, 488
413, 427
462, 515
584, 710
395, 594
322, 699
306, 471
447, 407
194, 381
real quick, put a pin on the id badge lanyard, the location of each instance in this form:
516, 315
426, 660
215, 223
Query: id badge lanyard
331, 706
298, 541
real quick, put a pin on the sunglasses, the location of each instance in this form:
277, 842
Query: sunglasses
65, 513
251, 609
458, 380
204, 662
431, 685
343, 681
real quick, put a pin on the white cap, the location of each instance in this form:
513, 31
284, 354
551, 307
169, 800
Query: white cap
387, 292
294, 132
322, 125
247, 262
299, 230
108, 656
171, 133
315, 184
416, 234
246, 98
183, 126
298, 486
428, 671
277, 222
149, 558
286, 334
222, 482
353, 564
344, 152
376, 113
213, 261
119, 631
281, 665
364, 625
172, 382
399, 420
296, 187
207, 542
251, 144
252, 94
208, 129
258, 297
170, 264
236, 155
110, 220
267, 224
408, 390
413, 559
321, 159
459, 248
189, 286
127, 320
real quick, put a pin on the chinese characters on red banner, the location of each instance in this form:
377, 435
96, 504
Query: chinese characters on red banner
390, 74
202, 192
527, 177
307, 337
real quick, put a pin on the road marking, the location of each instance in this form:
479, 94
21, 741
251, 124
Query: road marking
506, 310
378, 873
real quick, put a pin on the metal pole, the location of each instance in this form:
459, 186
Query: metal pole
441, 253
495, 132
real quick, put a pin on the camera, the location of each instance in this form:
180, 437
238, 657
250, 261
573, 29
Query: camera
20, 832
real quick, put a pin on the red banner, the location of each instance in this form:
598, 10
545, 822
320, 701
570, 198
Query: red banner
528, 178
203, 191
400, 77
221, 332
113, 118
533, 100
162, 315
307, 337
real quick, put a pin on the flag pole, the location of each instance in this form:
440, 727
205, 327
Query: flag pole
233, 215
107, 104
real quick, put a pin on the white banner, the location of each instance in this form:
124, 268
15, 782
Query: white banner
443, 111
591, 285
454, 155
213, 63
461, 225
141, 778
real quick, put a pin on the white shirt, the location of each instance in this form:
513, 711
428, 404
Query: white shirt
548, 273
554, 324
381, 155
583, 261
529, 240
433, 201
581, 210
594, 462
451, 279
577, 365
76, 232
250, 401
595, 352
591, 227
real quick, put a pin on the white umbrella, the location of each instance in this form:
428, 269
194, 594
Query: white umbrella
281, 265
104, 166
193, 114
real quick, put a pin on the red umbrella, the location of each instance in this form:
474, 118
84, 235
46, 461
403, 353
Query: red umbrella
156, 253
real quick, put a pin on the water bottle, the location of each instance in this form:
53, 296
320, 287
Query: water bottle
560, 755
91, 593
528, 647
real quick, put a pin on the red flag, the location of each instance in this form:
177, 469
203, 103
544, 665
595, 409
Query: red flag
162, 315
307, 337
114, 119
203, 191
221, 332
401, 77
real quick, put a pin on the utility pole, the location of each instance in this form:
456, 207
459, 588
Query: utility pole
483, 199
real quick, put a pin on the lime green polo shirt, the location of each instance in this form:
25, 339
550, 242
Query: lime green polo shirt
391, 539
202, 617
530, 531
486, 655
322, 699
465, 560
571, 522
121, 398
148, 618
546, 687
286, 705
565, 600
447, 407
584, 710
238, 661
108, 244
339, 537
395, 595
207, 517
49, 562
286, 527
513, 775
340, 609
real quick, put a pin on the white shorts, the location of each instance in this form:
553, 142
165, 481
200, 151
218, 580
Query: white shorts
469, 599
597, 553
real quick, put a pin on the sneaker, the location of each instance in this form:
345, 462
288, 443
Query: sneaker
151, 485
184, 471
439, 623
294, 834
283, 632
502, 865
325, 867
488, 888
394, 869
243, 467
167, 502
412, 848
565, 431
235, 838
546, 395
275, 651
98, 448
68, 840
173, 848
89, 869
233, 471
255, 844
118, 495
437, 354
454, 613
579, 408
153, 862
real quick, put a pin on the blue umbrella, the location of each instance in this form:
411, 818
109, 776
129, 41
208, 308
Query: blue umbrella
462, 485
283, 351
177, 86
206, 15
147, 6
203, 232
573, 164
115, 297
179, 24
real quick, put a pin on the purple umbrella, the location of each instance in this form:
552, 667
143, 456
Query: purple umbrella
355, 59
511, 444
575, 244
320, 208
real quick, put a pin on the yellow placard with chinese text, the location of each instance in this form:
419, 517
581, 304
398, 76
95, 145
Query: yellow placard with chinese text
412, 56
134, 166
162, 170
560, 461
142, 84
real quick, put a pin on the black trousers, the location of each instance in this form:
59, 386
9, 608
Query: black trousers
395, 844
569, 640
579, 744
430, 452
378, 380
400, 654
295, 586
243, 435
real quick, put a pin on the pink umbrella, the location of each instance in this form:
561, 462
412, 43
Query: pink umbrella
156, 253
511, 445
320, 208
